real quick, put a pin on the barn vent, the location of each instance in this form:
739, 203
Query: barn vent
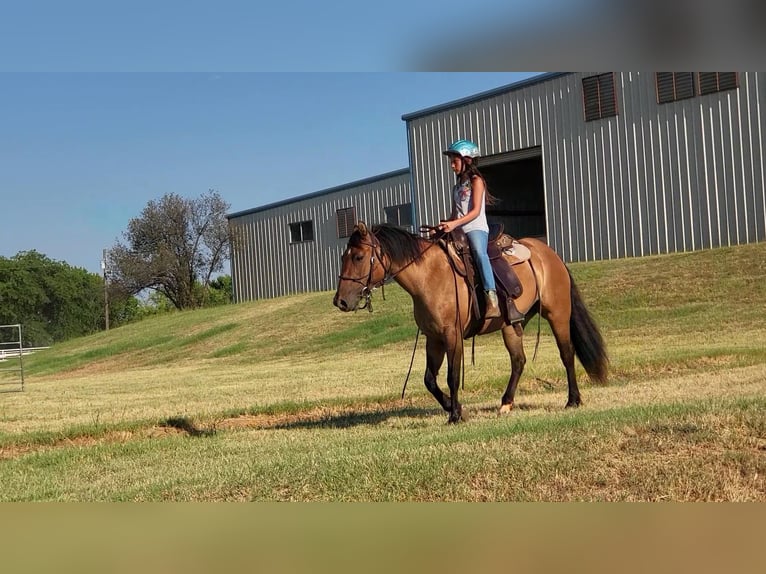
672, 86
599, 96
711, 82
346, 221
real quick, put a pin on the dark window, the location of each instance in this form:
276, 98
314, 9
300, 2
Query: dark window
711, 82
346, 221
302, 231
672, 86
400, 215
599, 96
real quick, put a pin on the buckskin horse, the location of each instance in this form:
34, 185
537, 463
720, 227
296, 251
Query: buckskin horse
444, 311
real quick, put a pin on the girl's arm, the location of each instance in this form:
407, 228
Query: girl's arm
477, 199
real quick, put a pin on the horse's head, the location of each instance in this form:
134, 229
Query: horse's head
361, 270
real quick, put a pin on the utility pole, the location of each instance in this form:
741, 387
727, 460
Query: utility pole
106, 290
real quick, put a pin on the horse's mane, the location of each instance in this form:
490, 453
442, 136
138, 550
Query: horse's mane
397, 243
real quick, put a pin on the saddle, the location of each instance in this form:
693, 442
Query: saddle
504, 252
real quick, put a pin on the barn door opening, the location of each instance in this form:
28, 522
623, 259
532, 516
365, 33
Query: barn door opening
516, 180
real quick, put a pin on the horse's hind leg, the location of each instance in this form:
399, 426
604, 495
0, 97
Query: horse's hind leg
434, 359
514, 345
561, 332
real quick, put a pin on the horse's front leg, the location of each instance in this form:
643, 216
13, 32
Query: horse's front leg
434, 360
455, 358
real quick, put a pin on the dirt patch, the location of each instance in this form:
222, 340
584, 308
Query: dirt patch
85, 441
315, 416
339, 416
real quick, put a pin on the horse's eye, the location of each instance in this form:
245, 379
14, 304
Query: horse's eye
358, 258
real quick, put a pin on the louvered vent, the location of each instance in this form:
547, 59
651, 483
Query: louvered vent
599, 96
346, 221
672, 86
711, 82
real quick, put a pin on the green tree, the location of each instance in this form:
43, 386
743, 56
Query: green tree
221, 291
123, 307
50, 299
174, 245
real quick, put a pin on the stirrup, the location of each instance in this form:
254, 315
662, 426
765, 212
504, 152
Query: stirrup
514, 315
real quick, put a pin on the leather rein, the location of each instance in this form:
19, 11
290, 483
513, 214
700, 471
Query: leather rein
368, 287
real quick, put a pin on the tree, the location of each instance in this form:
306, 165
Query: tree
221, 291
50, 299
175, 244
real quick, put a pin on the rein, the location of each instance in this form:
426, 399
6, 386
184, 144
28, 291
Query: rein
369, 286
437, 234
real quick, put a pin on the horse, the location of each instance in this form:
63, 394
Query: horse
444, 314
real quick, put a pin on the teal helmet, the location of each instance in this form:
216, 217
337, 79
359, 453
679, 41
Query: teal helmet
463, 148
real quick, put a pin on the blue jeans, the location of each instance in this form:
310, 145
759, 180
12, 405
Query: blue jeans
478, 241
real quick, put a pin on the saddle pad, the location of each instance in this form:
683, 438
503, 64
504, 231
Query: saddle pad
516, 253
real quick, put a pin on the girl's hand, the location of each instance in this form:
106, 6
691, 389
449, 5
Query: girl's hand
447, 226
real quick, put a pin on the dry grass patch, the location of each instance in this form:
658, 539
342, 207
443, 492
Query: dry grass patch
289, 399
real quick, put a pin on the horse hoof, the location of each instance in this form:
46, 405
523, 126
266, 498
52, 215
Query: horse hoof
505, 409
455, 418
573, 404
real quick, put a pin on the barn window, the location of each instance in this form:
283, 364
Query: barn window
302, 231
711, 82
346, 219
672, 86
400, 215
599, 96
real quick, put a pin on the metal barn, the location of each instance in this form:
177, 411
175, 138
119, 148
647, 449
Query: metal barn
295, 245
600, 165
608, 165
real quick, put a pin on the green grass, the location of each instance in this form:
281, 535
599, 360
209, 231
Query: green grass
290, 399
501, 459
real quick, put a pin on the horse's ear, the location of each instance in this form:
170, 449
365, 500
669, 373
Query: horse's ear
362, 228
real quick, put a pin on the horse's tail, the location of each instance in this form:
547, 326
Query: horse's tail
586, 338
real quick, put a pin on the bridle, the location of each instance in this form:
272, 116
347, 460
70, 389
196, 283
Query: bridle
369, 286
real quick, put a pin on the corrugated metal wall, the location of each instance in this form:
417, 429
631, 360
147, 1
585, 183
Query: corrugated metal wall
265, 263
654, 179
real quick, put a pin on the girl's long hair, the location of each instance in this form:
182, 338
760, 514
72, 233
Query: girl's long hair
470, 170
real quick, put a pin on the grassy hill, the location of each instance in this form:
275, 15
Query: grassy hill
291, 399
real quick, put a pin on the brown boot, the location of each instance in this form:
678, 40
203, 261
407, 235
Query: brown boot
493, 309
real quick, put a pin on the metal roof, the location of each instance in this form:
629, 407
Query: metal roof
314, 194
488, 94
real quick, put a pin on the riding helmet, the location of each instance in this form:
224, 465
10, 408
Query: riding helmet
463, 148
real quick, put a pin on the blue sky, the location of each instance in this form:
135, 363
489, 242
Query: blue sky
82, 153
106, 105
240, 35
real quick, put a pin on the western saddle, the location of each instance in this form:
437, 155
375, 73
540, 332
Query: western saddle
504, 252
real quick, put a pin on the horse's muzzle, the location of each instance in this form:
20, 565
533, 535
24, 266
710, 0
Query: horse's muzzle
341, 303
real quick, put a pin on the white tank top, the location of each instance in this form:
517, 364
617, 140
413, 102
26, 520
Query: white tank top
462, 194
